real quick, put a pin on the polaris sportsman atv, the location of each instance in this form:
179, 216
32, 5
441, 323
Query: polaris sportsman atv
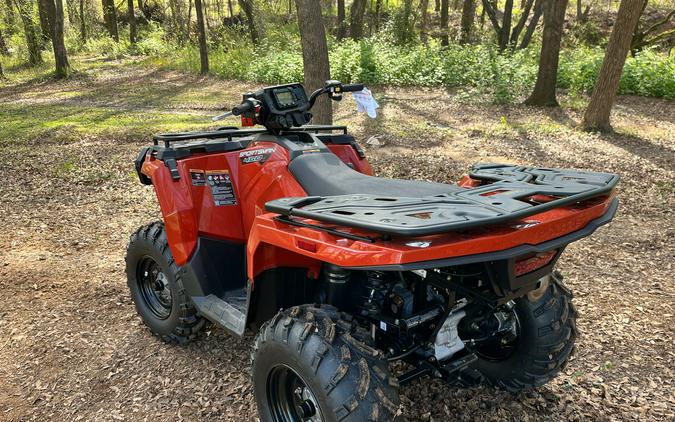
286, 231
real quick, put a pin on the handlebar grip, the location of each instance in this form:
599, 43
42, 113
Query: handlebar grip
352, 87
243, 108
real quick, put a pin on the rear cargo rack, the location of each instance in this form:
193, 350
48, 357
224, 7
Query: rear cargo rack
512, 194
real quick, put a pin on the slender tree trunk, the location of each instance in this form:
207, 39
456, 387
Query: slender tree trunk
189, 18
341, 20
604, 93
444, 22
132, 22
506, 24
378, 14
315, 56
356, 19
203, 51
533, 24
437, 6
544, 89
45, 21
424, 5
72, 12
25, 8
254, 25
3, 45
229, 8
83, 24
55, 10
110, 18
521, 22
468, 16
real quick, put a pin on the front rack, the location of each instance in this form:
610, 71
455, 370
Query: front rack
230, 133
510, 196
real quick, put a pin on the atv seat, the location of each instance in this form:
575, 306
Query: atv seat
324, 174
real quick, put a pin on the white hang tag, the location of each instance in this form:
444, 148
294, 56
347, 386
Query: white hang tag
366, 102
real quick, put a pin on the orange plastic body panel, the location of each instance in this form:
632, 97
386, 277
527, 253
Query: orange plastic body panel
355, 253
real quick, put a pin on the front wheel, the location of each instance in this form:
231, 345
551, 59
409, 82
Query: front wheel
309, 366
536, 340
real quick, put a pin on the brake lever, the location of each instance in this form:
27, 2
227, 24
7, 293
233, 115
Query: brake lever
221, 116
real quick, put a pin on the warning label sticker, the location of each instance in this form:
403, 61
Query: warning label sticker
198, 177
221, 187
255, 155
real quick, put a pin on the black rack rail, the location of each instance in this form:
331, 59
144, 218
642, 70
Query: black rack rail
501, 201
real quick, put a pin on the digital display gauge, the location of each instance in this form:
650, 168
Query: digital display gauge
284, 98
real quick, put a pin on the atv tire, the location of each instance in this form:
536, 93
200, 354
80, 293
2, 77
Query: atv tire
156, 287
307, 362
547, 320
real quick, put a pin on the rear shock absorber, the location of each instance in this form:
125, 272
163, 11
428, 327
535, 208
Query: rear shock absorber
336, 279
373, 292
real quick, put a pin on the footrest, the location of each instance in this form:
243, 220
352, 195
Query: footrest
229, 316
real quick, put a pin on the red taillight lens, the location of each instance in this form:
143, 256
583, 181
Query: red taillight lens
308, 246
530, 263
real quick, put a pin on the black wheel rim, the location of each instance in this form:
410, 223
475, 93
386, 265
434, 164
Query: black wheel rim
290, 398
154, 287
503, 343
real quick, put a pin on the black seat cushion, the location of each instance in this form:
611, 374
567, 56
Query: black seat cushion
324, 174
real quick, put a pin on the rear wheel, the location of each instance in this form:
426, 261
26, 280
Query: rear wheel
309, 366
534, 342
156, 287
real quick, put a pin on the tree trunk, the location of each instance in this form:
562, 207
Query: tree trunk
315, 56
356, 19
544, 88
230, 8
45, 21
424, 5
25, 8
506, 24
533, 24
55, 11
468, 15
341, 20
132, 22
437, 6
521, 23
445, 4
201, 31
110, 18
604, 92
83, 24
3, 45
72, 12
378, 14
254, 25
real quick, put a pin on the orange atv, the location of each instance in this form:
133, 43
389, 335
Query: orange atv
285, 230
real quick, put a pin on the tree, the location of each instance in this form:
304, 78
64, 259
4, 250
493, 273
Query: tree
532, 25
582, 16
445, 4
201, 31
110, 18
255, 26
315, 56
341, 20
3, 45
54, 10
83, 24
45, 20
424, 5
659, 31
132, 22
544, 89
503, 30
468, 15
25, 8
607, 84
356, 19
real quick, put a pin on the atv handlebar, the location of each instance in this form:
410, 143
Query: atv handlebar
248, 105
352, 87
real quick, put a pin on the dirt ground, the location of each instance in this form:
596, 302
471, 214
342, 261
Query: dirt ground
72, 347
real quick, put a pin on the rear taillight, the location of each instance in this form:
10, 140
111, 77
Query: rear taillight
529, 263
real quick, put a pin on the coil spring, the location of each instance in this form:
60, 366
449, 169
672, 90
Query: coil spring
373, 293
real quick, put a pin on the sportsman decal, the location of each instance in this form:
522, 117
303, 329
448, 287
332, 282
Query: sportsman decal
256, 155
